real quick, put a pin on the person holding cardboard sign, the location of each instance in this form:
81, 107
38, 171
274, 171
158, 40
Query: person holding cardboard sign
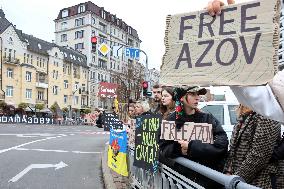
208, 154
266, 100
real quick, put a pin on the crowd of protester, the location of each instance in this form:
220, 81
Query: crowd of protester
256, 148
255, 151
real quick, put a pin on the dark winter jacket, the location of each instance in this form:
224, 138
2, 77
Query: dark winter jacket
210, 155
251, 147
278, 153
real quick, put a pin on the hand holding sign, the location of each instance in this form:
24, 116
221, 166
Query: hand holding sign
215, 7
184, 146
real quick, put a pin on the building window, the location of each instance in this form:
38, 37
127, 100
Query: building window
79, 34
63, 25
76, 100
40, 95
64, 68
79, 21
65, 99
76, 86
28, 93
55, 90
65, 84
103, 14
79, 46
93, 21
83, 101
103, 27
93, 33
9, 91
83, 87
28, 76
81, 8
63, 37
64, 13
10, 73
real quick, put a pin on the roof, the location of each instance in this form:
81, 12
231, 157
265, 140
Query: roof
4, 23
42, 47
93, 8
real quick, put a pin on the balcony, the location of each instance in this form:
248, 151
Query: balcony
84, 92
10, 60
41, 101
42, 85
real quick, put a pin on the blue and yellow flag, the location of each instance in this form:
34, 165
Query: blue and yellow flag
117, 151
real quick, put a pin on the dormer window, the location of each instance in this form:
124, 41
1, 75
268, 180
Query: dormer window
64, 13
103, 14
81, 8
39, 46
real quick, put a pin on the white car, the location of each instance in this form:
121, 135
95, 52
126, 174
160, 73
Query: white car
225, 112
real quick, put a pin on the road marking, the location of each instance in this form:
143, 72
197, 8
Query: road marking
41, 150
79, 152
37, 166
21, 145
60, 151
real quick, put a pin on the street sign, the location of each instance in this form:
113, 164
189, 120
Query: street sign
104, 49
132, 52
117, 50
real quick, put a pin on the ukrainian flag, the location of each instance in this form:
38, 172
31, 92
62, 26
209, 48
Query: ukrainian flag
117, 151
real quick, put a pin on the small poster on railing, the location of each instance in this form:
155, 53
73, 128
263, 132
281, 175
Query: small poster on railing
111, 121
146, 142
117, 151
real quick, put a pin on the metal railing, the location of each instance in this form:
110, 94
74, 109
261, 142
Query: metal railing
167, 178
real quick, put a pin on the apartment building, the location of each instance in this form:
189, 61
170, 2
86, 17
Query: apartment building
74, 27
34, 71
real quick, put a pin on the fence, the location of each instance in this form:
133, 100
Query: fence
167, 178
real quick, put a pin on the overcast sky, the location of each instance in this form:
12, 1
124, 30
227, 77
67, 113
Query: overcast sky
35, 17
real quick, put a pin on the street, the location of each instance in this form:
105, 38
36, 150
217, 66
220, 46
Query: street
51, 157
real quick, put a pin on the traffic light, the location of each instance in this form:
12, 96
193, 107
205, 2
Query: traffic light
94, 41
145, 88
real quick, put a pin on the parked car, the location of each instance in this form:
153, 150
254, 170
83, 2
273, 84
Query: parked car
225, 112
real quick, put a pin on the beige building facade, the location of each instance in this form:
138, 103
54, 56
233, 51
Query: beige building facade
34, 71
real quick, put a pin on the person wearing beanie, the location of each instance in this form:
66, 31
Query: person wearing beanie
210, 155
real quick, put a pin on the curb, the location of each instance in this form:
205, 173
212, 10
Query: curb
108, 180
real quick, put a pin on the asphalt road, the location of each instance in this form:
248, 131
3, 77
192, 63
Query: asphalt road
51, 157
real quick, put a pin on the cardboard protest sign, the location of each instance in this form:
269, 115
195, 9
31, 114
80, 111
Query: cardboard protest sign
146, 142
117, 151
239, 47
111, 121
122, 111
190, 131
131, 133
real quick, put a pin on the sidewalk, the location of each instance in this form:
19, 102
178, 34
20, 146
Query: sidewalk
112, 180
